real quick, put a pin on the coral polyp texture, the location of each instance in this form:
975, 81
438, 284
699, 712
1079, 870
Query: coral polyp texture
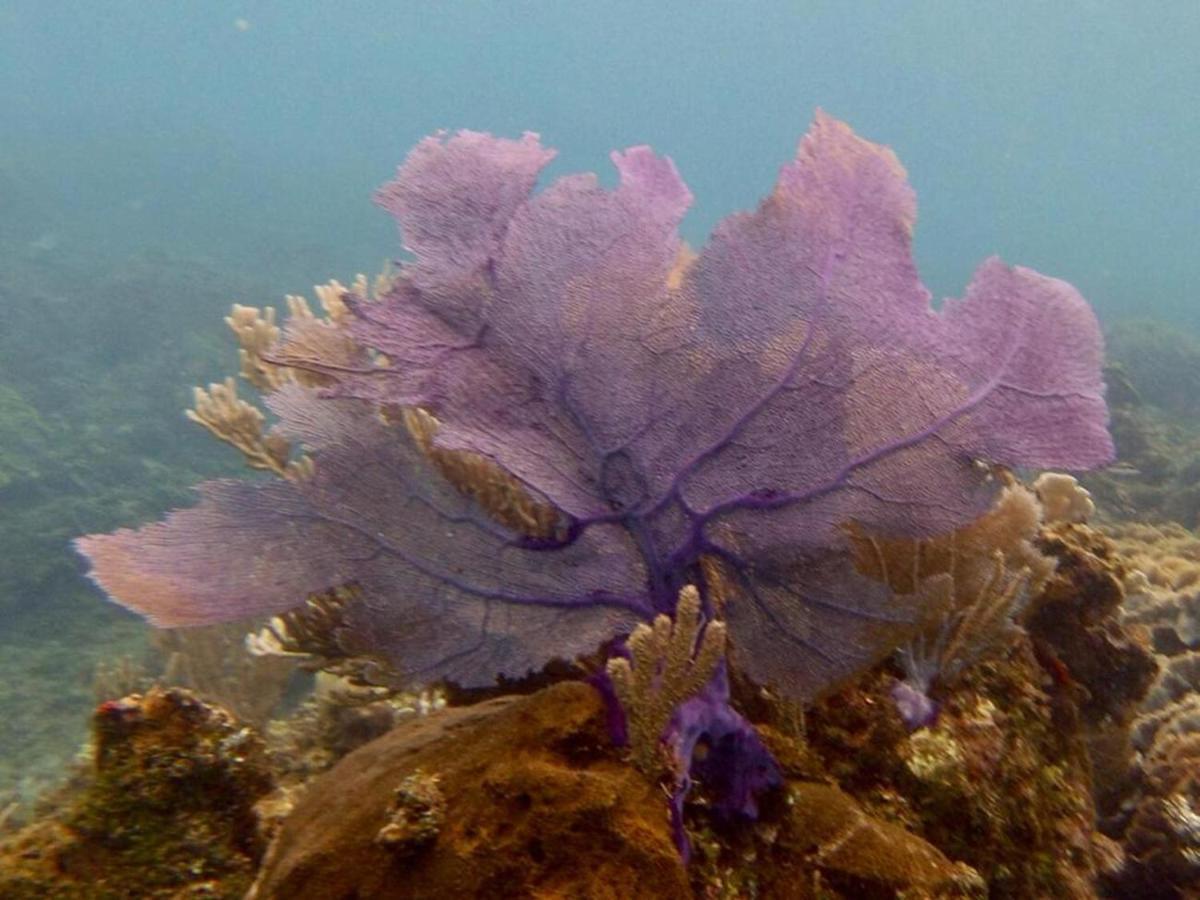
656, 408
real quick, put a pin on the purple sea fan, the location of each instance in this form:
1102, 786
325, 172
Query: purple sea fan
739, 406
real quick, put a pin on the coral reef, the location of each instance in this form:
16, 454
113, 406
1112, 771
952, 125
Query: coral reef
168, 808
742, 477
1002, 780
507, 329
1036, 740
531, 799
1156, 816
1164, 587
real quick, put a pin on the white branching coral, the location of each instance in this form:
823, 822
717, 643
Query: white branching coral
671, 662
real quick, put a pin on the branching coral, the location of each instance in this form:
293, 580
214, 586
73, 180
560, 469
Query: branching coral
257, 334
313, 634
238, 423
974, 582
270, 358
670, 662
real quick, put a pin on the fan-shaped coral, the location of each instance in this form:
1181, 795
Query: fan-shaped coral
742, 404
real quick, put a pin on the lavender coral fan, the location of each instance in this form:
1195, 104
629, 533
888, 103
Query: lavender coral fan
739, 407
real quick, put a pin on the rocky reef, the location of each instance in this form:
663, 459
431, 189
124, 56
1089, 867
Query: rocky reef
166, 809
1050, 769
1158, 818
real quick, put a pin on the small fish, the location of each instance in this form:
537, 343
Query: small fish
1123, 470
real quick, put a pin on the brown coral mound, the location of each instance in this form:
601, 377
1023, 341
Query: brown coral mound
526, 797
169, 809
534, 803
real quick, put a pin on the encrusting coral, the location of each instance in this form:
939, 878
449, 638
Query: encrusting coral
1164, 587
416, 815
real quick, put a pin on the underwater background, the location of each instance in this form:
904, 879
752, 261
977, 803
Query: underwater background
159, 162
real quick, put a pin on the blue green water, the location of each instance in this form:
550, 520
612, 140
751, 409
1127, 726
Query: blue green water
1061, 135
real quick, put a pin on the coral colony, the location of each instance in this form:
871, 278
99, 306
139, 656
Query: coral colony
555, 422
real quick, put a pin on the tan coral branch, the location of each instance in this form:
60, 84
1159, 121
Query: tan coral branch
667, 668
257, 334
240, 424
